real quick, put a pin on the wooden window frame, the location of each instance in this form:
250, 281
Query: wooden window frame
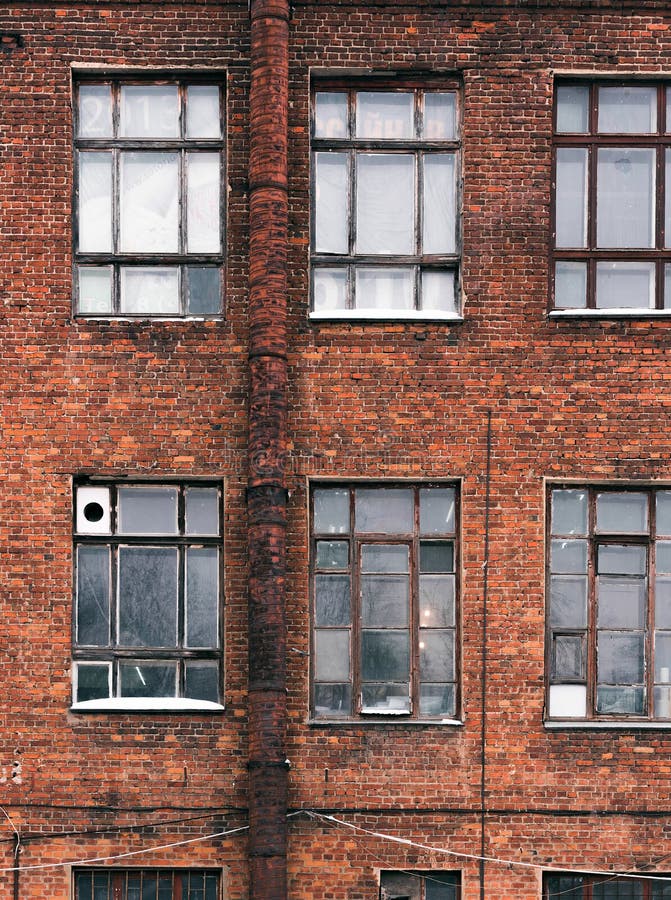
416, 884
581, 887
118, 881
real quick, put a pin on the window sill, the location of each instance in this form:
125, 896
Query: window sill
614, 313
385, 721
601, 725
385, 315
147, 704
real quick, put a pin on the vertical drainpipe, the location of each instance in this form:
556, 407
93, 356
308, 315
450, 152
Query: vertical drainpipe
266, 491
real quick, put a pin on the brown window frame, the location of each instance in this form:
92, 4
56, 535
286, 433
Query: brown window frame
573, 886
116, 259
419, 148
411, 885
356, 540
115, 881
592, 141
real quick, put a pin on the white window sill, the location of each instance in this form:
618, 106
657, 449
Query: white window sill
146, 704
385, 315
614, 313
594, 724
386, 720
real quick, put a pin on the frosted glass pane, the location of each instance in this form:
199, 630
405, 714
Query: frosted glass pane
667, 199
203, 203
202, 597
621, 559
571, 198
202, 111
439, 219
147, 510
570, 285
572, 109
95, 290
331, 510
569, 511
440, 116
384, 601
150, 291
329, 289
203, 290
385, 288
385, 203
95, 202
331, 115
385, 115
621, 602
439, 291
568, 601
95, 111
620, 657
436, 510
149, 202
148, 596
568, 700
663, 512
383, 510
568, 557
331, 202
625, 284
202, 511
149, 110
436, 656
627, 110
667, 286
625, 208
332, 655
625, 511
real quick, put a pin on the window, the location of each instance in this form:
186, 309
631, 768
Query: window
598, 887
146, 884
612, 223
385, 170
609, 592
147, 599
419, 886
384, 562
149, 162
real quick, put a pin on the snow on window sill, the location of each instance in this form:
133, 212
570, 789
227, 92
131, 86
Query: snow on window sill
356, 723
614, 313
601, 725
146, 704
386, 315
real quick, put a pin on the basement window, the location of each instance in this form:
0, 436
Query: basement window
147, 606
419, 886
146, 884
384, 591
149, 200
568, 886
385, 187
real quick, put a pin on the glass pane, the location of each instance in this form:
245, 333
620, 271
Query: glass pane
329, 289
143, 679
332, 655
385, 219
663, 512
203, 203
663, 602
663, 557
572, 109
385, 115
93, 682
440, 116
202, 681
331, 202
385, 655
203, 290
331, 115
95, 111
622, 602
436, 510
436, 656
439, 231
385, 601
389, 698
202, 511
617, 559
568, 657
147, 596
569, 557
662, 698
148, 202
620, 657
333, 699
95, 290
437, 700
332, 600
203, 119
568, 601
202, 597
332, 554
385, 558
625, 197
436, 600
663, 657
571, 198
570, 285
93, 596
569, 512
436, 556
627, 700
627, 110
626, 512
384, 510
95, 202
331, 511
150, 291
629, 285
667, 285
439, 290
385, 288
147, 510
149, 110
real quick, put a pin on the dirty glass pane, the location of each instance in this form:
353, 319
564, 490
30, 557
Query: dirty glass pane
625, 197
384, 558
203, 118
202, 597
568, 657
571, 197
332, 655
663, 602
569, 512
620, 889
621, 602
332, 554
663, 557
439, 232
625, 512
617, 559
383, 510
148, 202
329, 289
147, 510
149, 110
202, 681
663, 512
436, 600
385, 655
620, 657
203, 290
95, 289
568, 887
385, 219
385, 288
93, 596
147, 596
439, 290
627, 110
144, 679
436, 556
133, 886
165, 885
203, 203
436, 700
95, 202
150, 291
663, 657
95, 111
389, 698
625, 284
383, 115
569, 557
202, 511
332, 600
568, 601
572, 109
331, 115
333, 699
385, 601
440, 116
436, 510
331, 511
331, 202
570, 285
436, 656
93, 682
620, 699
662, 702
